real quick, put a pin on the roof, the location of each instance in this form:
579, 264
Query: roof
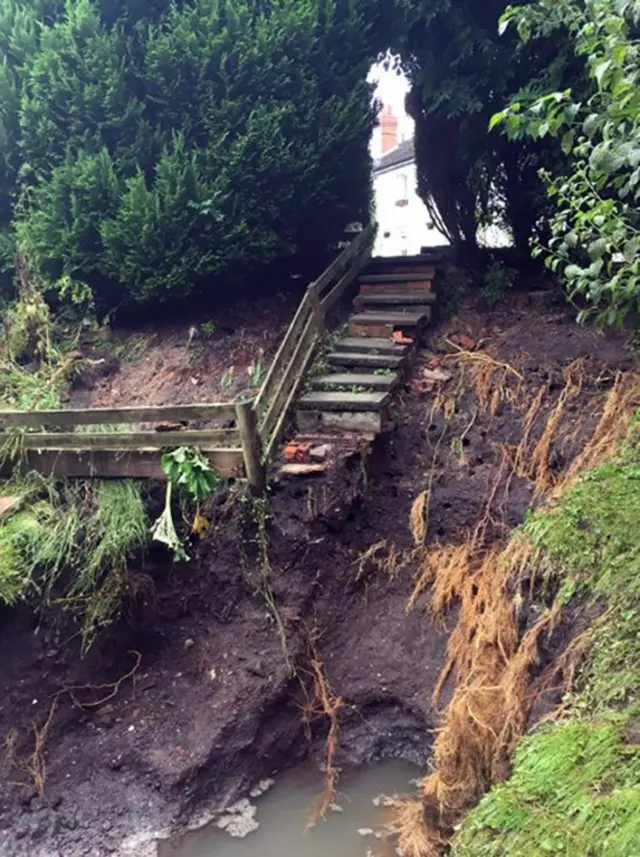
402, 154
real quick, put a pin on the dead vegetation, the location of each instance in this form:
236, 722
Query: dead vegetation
492, 673
494, 381
384, 558
418, 517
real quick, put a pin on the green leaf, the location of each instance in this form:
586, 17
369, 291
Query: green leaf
598, 248
600, 69
567, 142
572, 272
503, 23
630, 249
497, 119
591, 124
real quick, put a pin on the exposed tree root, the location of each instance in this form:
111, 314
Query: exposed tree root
384, 557
35, 765
619, 410
324, 705
418, 517
539, 470
492, 665
495, 382
416, 836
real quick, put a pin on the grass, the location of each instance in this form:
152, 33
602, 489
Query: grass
574, 792
24, 390
575, 785
70, 545
19, 537
69, 542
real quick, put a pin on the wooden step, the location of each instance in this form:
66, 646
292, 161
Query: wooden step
343, 401
411, 318
303, 469
407, 277
356, 379
367, 423
404, 261
417, 286
384, 324
370, 344
365, 360
417, 299
418, 272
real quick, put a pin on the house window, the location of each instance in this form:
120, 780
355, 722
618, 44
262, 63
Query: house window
403, 190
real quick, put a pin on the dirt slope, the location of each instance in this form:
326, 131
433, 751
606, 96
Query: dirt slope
211, 705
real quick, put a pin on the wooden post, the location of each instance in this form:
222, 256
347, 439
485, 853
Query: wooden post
250, 439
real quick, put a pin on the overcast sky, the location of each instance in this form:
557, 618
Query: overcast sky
391, 89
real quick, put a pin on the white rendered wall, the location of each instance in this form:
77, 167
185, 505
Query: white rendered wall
402, 229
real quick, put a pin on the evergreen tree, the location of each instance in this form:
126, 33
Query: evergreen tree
462, 70
151, 148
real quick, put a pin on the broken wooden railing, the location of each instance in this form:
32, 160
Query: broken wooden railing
128, 442
302, 338
101, 443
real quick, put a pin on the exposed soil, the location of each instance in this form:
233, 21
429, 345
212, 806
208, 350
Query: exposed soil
212, 706
211, 359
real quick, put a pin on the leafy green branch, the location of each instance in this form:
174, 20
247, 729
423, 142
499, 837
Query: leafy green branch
595, 227
189, 472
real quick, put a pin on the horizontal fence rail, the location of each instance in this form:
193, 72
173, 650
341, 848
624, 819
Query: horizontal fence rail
128, 442
118, 448
100, 416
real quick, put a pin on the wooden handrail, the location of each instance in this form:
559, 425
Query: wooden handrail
359, 243
233, 451
303, 336
284, 352
308, 335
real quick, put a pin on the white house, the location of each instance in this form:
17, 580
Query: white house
404, 224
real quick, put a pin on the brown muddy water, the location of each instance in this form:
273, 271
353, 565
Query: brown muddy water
277, 823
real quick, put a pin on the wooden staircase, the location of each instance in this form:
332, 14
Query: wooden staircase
392, 310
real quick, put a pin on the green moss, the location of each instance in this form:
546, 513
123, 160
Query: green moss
574, 792
18, 537
575, 786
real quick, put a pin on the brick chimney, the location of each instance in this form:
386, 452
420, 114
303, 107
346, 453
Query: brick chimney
389, 129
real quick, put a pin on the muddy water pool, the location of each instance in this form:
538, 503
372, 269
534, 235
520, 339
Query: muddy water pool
280, 818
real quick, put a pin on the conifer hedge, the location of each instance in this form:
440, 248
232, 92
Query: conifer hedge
152, 150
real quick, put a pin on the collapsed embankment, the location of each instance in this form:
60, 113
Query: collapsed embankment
296, 610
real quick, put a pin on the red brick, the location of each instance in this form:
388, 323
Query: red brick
466, 342
295, 451
381, 331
